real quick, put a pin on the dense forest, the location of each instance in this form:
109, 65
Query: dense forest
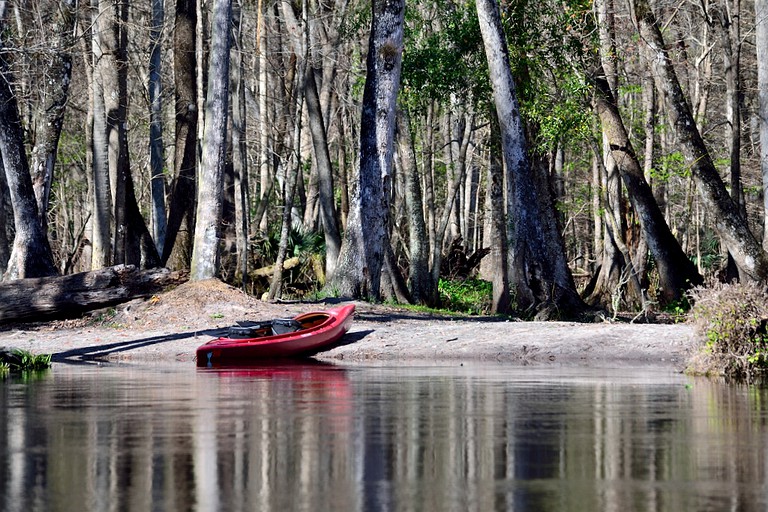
579, 154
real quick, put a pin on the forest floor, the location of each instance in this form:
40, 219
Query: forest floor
170, 326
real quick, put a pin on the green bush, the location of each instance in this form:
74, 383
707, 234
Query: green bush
472, 296
731, 321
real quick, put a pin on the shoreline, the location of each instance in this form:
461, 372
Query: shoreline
384, 336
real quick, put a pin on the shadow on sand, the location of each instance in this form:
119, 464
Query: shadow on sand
103, 352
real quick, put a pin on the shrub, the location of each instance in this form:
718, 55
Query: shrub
472, 296
731, 320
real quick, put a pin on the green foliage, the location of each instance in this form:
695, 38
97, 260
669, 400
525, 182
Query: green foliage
443, 56
672, 164
472, 296
544, 40
732, 320
678, 309
300, 242
560, 116
711, 256
23, 361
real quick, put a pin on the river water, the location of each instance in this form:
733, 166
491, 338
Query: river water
319, 437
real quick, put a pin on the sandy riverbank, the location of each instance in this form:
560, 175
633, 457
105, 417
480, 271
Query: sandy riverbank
169, 328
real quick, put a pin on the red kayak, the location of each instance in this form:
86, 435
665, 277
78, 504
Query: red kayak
303, 335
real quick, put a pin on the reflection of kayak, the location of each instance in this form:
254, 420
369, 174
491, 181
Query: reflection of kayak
303, 371
301, 336
304, 385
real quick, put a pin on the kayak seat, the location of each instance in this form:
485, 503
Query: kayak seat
285, 326
253, 330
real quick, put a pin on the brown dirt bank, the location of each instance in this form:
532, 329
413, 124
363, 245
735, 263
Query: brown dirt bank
169, 327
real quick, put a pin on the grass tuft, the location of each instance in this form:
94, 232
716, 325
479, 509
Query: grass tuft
22, 360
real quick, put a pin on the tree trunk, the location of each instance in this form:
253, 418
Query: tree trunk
729, 223
539, 271
111, 71
428, 156
101, 254
30, 255
358, 273
611, 270
266, 177
731, 42
499, 245
325, 174
676, 272
50, 114
421, 286
70, 296
206, 250
761, 42
454, 132
132, 242
177, 249
6, 223
156, 127
292, 164
240, 148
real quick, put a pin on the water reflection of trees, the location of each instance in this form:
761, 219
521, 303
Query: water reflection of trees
325, 439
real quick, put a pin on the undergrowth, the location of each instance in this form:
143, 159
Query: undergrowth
471, 296
732, 322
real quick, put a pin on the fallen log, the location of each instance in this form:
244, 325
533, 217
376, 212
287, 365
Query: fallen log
269, 270
70, 296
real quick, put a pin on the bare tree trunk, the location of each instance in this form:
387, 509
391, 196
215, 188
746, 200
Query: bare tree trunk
610, 279
132, 242
265, 174
540, 272
422, 288
358, 273
6, 223
101, 254
730, 224
597, 216
111, 72
156, 126
325, 175
429, 182
240, 148
293, 167
31, 254
676, 272
177, 249
727, 16
50, 115
454, 131
499, 244
729, 19
761, 42
206, 250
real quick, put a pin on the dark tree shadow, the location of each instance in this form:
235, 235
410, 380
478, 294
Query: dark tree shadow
102, 352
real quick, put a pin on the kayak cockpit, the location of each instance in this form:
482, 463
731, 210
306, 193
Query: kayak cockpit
249, 330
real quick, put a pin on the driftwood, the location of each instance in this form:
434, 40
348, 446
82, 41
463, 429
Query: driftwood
70, 296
